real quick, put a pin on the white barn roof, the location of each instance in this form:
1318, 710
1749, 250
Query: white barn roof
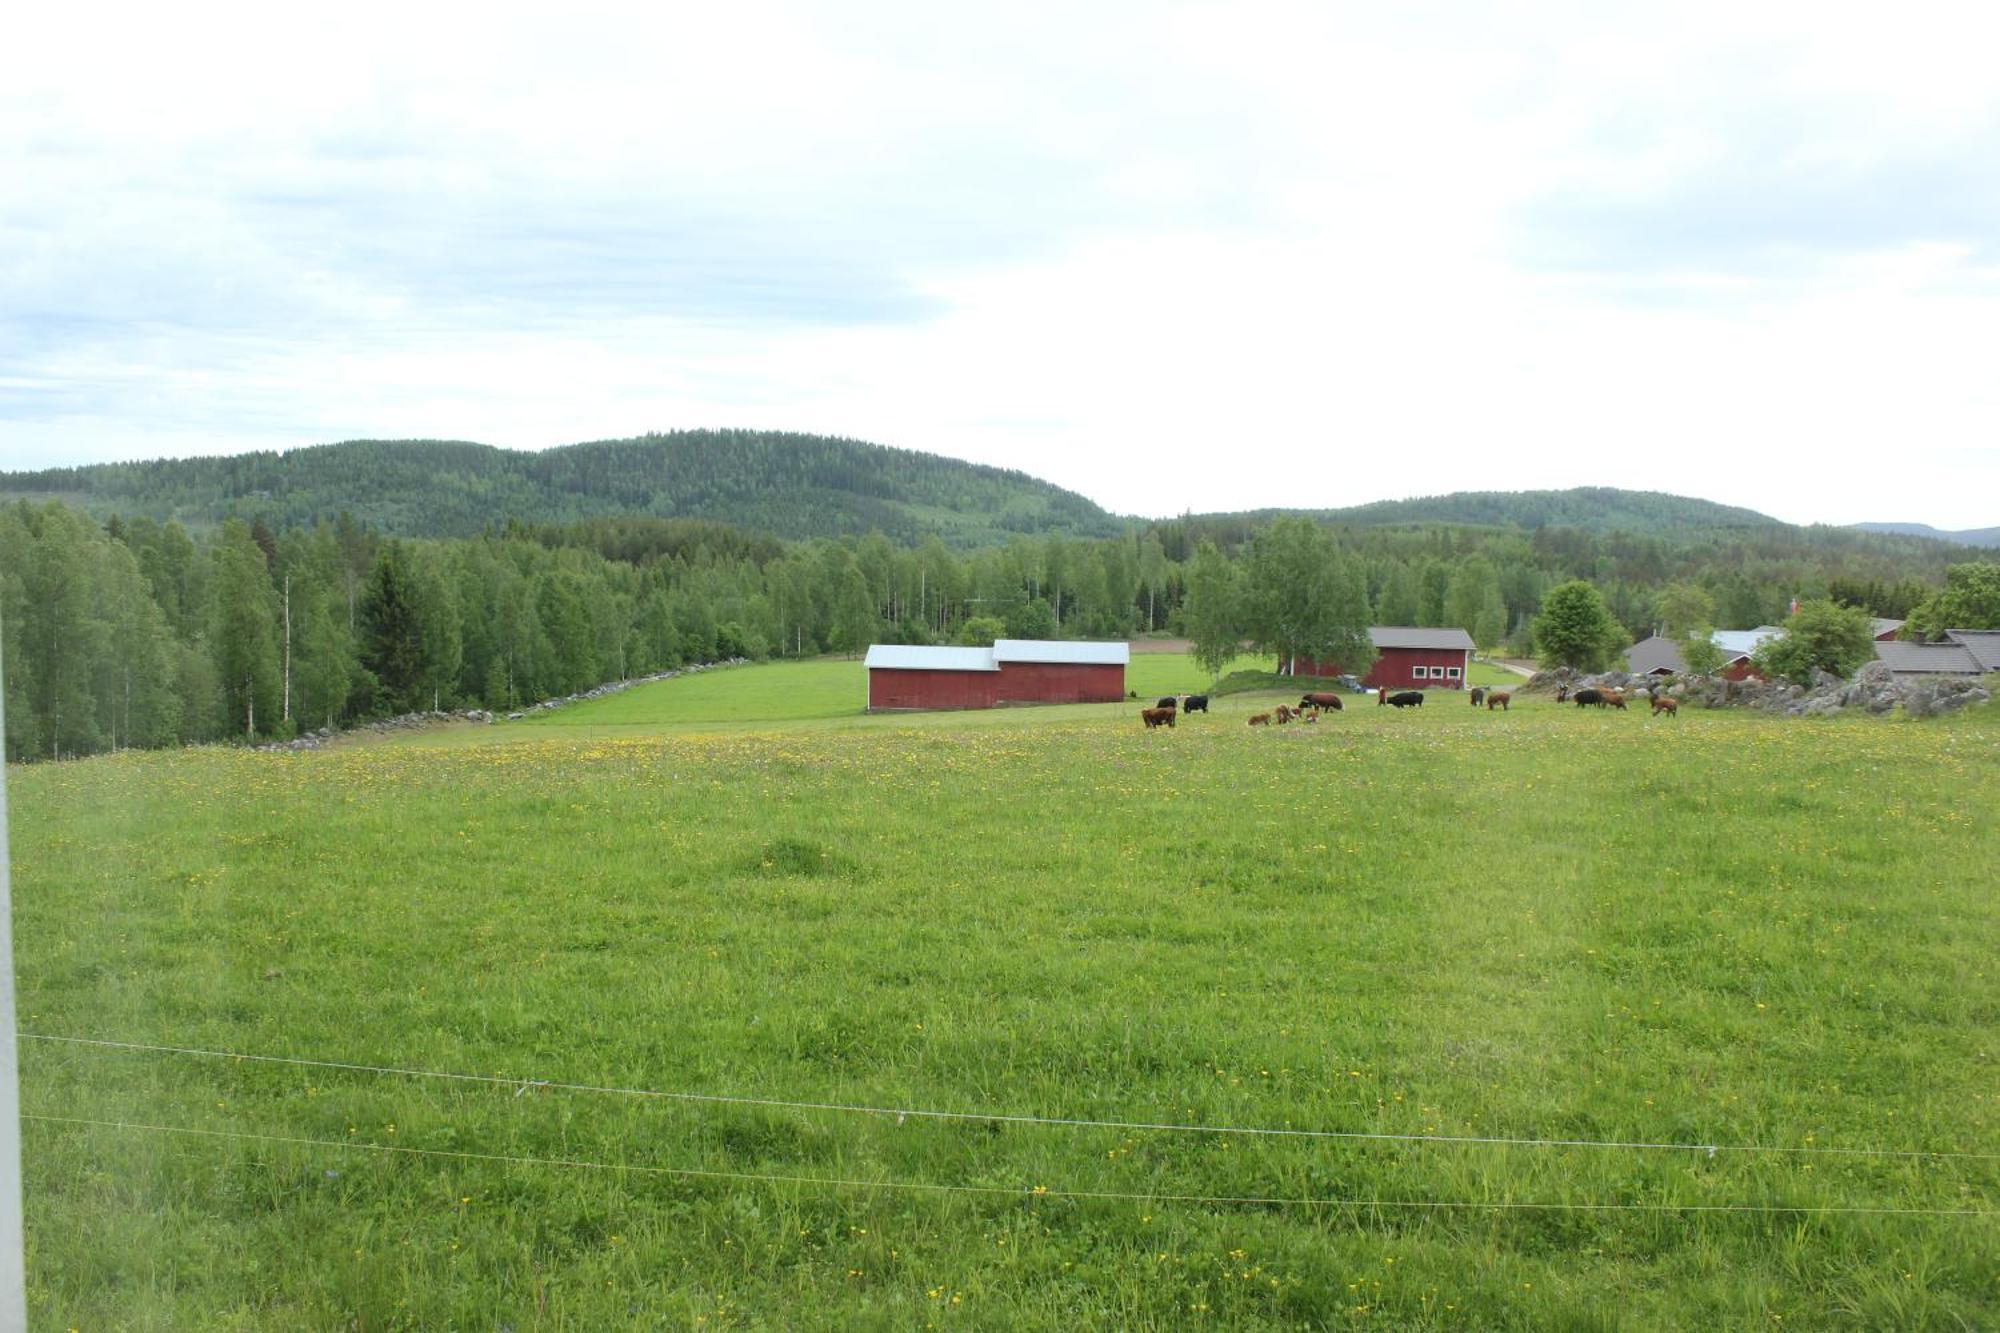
913, 657
1056, 650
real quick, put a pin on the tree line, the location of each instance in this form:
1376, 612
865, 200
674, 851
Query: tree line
138, 632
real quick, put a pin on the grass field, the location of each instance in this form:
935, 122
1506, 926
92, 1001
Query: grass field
1775, 938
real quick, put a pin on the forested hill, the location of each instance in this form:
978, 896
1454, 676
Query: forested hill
1586, 508
792, 486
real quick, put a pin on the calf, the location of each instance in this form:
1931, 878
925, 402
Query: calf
1478, 695
1662, 704
1260, 719
1195, 703
1157, 717
1498, 699
1407, 699
1321, 699
1285, 715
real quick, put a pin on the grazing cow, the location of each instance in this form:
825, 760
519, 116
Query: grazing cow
1157, 717
1498, 699
1169, 702
1478, 695
1588, 698
1407, 699
1321, 699
1662, 704
1260, 719
1195, 703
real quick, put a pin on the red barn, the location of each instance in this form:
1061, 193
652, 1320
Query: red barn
1406, 658
1012, 671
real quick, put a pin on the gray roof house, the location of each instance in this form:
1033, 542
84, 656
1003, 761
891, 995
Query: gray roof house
1963, 653
1983, 644
1661, 656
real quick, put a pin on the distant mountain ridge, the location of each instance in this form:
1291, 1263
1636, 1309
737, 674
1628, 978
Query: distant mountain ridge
788, 485
1965, 536
1588, 508
797, 487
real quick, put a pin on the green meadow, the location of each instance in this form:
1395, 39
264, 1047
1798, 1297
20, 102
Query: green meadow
1545, 1019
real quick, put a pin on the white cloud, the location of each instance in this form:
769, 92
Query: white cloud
1203, 257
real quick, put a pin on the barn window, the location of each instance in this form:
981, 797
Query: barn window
1420, 673
1451, 673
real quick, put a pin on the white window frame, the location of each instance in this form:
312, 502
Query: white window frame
1420, 673
1452, 673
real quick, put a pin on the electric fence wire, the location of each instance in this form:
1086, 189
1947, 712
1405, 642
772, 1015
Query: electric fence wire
521, 1085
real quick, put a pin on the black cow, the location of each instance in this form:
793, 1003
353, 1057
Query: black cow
1407, 699
1168, 702
1195, 703
1589, 698
1478, 695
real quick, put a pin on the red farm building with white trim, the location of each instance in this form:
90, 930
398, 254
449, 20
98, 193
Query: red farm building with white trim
1012, 671
1406, 658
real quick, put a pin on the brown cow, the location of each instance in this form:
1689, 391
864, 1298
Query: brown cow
1320, 699
1500, 697
1615, 698
1285, 715
1260, 719
1662, 704
1156, 717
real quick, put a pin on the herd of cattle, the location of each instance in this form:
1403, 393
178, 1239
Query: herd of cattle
1313, 704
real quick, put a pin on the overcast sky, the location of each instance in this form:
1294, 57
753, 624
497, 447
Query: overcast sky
1173, 257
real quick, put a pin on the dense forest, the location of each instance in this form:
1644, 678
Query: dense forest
795, 486
126, 630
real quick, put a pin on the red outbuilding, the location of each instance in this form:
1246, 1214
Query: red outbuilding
1012, 671
1406, 658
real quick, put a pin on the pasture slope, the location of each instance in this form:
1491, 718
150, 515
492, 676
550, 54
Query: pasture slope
1444, 927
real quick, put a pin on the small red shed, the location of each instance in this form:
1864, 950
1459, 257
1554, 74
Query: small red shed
1406, 658
1012, 671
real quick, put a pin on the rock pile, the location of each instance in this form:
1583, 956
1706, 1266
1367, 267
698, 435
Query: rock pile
614, 686
1874, 689
313, 740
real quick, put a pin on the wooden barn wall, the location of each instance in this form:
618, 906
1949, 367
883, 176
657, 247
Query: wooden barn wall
891, 689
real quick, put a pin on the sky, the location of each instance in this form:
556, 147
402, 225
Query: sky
1174, 257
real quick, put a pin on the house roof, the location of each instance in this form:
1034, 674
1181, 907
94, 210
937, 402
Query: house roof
1061, 650
1926, 659
1983, 644
1410, 636
912, 657
1743, 642
1884, 626
1658, 653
